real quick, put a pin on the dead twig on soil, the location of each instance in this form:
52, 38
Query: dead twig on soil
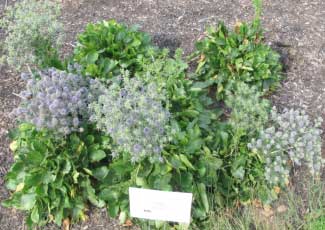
17, 95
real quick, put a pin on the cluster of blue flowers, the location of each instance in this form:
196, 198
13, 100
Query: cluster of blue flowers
292, 139
56, 100
133, 114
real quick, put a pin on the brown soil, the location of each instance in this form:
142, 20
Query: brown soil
296, 28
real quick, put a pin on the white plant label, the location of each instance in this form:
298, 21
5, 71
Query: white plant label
160, 205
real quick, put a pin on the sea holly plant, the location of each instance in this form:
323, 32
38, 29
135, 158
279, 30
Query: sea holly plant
53, 178
242, 177
33, 34
249, 112
55, 100
291, 139
106, 47
134, 115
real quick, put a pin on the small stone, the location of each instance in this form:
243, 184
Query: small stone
267, 213
282, 209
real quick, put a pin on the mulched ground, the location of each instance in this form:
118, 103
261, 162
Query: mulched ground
296, 28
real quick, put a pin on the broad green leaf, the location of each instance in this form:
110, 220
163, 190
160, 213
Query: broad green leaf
97, 155
90, 139
75, 176
20, 187
35, 157
214, 163
203, 196
140, 181
198, 86
108, 195
26, 127
122, 217
239, 173
100, 173
12, 184
88, 171
113, 209
58, 217
27, 201
185, 160
35, 215
67, 167
92, 57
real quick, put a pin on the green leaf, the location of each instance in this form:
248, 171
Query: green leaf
200, 66
34, 179
91, 194
75, 176
26, 127
185, 160
27, 201
58, 217
140, 181
35, 158
90, 139
92, 57
194, 146
108, 195
239, 173
100, 173
198, 86
67, 167
88, 171
97, 155
214, 163
113, 209
203, 196
35, 215
122, 217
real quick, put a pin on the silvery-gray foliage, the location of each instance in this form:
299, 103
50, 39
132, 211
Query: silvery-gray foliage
133, 114
292, 138
27, 23
56, 100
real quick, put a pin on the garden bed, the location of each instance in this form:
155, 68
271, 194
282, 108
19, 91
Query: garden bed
294, 28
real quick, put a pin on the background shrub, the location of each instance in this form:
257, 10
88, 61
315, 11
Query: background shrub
34, 33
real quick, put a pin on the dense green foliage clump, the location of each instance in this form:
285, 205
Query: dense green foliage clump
106, 47
53, 178
227, 57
